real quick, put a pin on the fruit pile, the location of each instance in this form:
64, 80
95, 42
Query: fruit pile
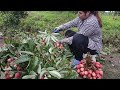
89, 69
9, 74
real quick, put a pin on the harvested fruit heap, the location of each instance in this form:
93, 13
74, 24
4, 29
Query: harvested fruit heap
90, 69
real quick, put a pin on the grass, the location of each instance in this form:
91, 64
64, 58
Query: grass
48, 20
109, 23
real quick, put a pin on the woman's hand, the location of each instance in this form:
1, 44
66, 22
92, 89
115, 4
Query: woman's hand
59, 45
57, 30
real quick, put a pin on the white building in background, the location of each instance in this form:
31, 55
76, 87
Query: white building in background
107, 11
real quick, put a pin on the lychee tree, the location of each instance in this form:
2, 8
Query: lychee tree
38, 57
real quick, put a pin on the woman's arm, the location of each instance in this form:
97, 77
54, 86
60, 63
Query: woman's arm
86, 30
67, 40
70, 24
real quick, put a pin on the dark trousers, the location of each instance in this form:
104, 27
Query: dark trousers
79, 45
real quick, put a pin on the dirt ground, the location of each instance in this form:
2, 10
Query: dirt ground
111, 67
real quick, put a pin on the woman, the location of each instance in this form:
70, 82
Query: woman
87, 39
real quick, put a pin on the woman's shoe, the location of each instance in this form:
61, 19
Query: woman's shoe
75, 63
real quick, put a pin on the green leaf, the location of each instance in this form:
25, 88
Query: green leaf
33, 64
42, 32
32, 73
3, 49
50, 50
49, 76
52, 57
55, 74
54, 39
2, 75
58, 63
23, 58
11, 51
5, 56
55, 34
101, 61
63, 72
24, 41
50, 68
43, 69
64, 57
42, 73
39, 69
30, 46
27, 52
20, 48
48, 40
60, 69
9, 68
29, 77
103, 53
11, 72
62, 75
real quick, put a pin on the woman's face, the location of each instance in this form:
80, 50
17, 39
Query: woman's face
83, 15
